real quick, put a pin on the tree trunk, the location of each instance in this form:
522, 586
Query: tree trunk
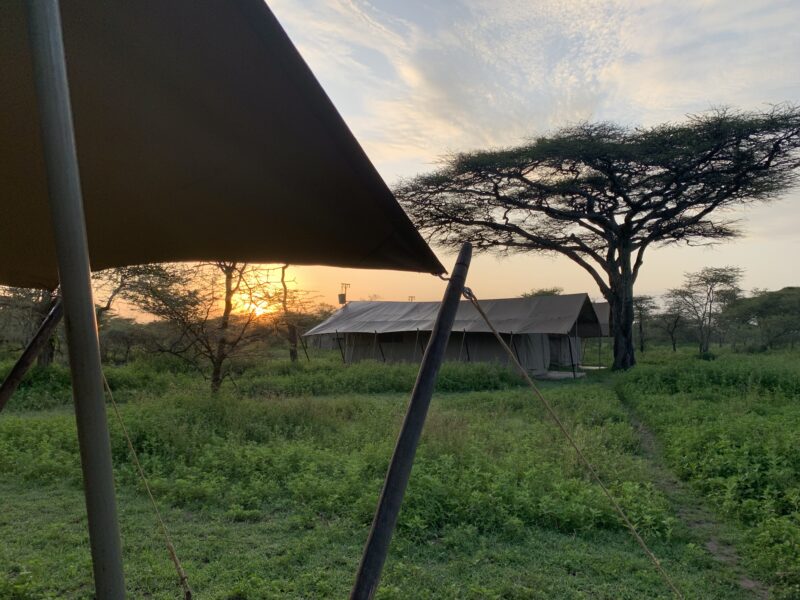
641, 332
216, 376
292, 336
705, 340
222, 343
620, 300
48, 353
291, 328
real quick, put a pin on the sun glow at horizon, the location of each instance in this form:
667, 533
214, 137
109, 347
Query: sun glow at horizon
244, 304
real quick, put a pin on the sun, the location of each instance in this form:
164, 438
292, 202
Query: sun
245, 305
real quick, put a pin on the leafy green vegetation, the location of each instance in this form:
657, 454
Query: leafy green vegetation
49, 388
730, 427
269, 487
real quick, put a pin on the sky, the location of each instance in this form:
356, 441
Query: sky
417, 79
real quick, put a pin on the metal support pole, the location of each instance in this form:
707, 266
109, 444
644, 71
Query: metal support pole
394, 487
380, 347
513, 345
305, 348
66, 210
339, 343
31, 352
572, 357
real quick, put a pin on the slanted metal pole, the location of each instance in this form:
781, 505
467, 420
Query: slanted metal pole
305, 348
380, 347
394, 487
66, 210
339, 343
31, 352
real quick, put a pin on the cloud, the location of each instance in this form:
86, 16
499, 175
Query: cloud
414, 84
685, 57
416, 79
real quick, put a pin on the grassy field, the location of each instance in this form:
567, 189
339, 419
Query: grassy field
269, 488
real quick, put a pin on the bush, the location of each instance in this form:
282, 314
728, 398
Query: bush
319, 378
326, 458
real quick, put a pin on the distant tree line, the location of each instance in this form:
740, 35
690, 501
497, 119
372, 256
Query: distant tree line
711, 307
205, 315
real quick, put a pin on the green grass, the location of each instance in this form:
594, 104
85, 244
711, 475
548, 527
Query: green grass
731, 427
269, 488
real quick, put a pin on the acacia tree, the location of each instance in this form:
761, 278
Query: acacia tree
550, 291
198, 302
766, 318
702, 298
643, 308
123, 283
289, 307
603, 194
669, 321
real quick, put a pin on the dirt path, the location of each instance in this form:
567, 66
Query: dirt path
691, 509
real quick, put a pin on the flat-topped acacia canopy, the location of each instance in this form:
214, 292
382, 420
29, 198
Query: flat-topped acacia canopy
201, 134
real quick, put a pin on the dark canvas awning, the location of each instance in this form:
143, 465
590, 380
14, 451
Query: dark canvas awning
201, 134
538, 314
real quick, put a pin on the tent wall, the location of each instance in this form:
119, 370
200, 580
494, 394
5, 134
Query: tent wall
560, 355
603, 312
323, 342
533, 350
389, 347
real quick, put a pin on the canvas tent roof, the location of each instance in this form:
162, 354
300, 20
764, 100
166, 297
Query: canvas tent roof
201, 134
603, 311
538, 314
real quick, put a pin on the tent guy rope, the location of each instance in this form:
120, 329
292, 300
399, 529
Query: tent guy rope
183, 579
469, 295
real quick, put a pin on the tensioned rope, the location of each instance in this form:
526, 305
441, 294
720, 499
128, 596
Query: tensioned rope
469, 295
182, 577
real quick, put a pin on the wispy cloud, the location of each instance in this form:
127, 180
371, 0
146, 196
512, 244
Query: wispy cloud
417, 79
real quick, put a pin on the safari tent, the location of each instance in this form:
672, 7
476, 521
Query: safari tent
543, 331
603, 311
151, 131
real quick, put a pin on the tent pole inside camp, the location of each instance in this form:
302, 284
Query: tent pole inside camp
394, 486
66, 210
31, 353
